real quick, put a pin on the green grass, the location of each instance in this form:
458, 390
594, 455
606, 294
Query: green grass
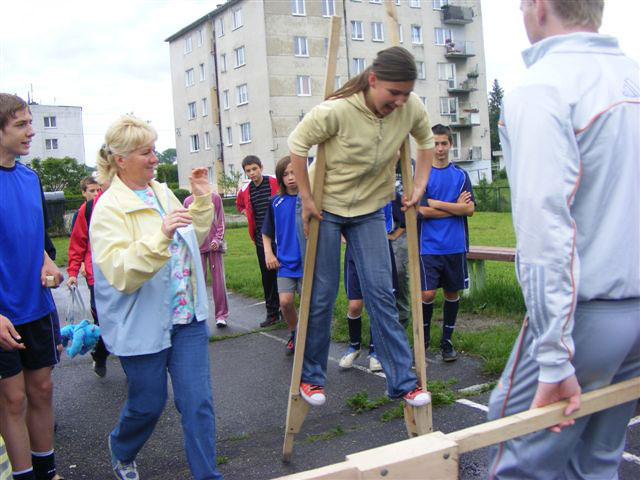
392, 414
326, 435
360, 402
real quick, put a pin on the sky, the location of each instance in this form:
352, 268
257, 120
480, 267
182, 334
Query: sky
110, 58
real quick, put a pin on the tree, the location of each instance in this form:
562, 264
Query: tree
168, 156
229, 183
59, 173
167, 173
495, 103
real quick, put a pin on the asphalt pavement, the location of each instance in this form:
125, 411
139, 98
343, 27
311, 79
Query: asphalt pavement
251, 377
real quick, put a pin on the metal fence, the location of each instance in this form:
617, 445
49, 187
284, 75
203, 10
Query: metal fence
492, 199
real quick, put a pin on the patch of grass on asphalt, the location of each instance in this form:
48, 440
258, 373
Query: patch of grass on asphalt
239, 438
473, 393
326, 435
222, 460
360, 402
441, 392
392, 414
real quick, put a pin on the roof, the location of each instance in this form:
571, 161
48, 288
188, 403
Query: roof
209, 16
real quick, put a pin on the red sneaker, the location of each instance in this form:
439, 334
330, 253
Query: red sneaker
291, 347
417, 397
313, 394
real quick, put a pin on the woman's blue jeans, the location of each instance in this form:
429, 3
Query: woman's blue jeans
187, 361
367, 239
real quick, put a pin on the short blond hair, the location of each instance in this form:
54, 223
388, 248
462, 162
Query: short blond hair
123, 137
579, 13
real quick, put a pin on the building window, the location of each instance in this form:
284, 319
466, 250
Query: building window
303, 85
236, 18
377, 33
195, 143
449, 107
191, 110
297, 7
358, 65
338, 83
447, 71
225, 99
357, 33
51, 143
245, 132
424, 102
229, 137
239, 56
188, 77
202, 75
50, 122
200, 37
438, 4
375, 1
300, 47
400, 35
223, 63
416, 34
210, 173
422, 73
221, 27
205, 107
188, 44
455, 145
242, 94
443, 35
414, 3
328, 8
207, 141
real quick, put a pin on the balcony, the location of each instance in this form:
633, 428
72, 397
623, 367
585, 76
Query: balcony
460, 49
474, 153
455, 15
463, 87
474, 72
466, 120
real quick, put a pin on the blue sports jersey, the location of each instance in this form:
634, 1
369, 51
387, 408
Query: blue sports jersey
442, 236
388, 217
280, 225
22, 233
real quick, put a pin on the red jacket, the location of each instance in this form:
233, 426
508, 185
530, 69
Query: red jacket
79, 247
243, 203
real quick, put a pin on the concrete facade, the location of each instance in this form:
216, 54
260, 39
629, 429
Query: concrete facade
58, 133
283, 45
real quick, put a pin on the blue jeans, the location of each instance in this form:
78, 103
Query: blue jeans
367, 239
187, 361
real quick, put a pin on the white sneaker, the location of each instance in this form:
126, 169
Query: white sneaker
374, 363
221, 323
349, 357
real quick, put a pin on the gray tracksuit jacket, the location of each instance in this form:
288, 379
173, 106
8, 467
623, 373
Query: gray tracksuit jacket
570, 134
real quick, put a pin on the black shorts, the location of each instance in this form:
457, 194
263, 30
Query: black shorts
39, 337
448, 272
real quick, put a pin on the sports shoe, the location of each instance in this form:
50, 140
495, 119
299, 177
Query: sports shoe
100, 367
221, 323
313, 394
270, 320
349, 357
448, 352
417, 397
374, 363
291, 345
122, 470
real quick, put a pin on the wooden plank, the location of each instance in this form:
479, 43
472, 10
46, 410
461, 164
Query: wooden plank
500, 254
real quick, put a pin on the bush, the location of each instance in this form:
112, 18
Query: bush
181, 193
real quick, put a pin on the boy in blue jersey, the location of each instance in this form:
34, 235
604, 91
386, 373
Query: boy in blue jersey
280, 225
444, 240
27, 330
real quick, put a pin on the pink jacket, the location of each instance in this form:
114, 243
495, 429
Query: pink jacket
217, 227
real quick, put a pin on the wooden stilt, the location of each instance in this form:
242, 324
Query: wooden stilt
298, 408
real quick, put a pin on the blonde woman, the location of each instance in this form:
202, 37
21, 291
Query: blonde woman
149, 278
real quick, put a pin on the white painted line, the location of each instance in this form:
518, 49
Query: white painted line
259, 303
634, 421
474, 388
629, 457
471, 404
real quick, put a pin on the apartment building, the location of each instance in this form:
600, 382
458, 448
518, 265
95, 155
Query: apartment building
264, 67
58, 133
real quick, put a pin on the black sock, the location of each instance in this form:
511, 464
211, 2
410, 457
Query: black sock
371, 347
28, 475
449, 318
427, 313
355, 331
44, 465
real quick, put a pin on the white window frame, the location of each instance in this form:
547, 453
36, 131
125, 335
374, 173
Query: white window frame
447, 71
359, 64
328, 8
357, 30
223, 63
449, 107
242, 94
207, 141
225, 99
375, 1
414, 3
200, 37
236, 18
220, 27
422, 71
209, 171
194, 143
51, 144
205, 107
416, 39
239, 52
438, 4
300, 46
377, 32
455, 146
189, 78
298, 8
203, 75
50, 121
440, 34
303, 85
188, 44
245, 133
229, 136
192, 110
